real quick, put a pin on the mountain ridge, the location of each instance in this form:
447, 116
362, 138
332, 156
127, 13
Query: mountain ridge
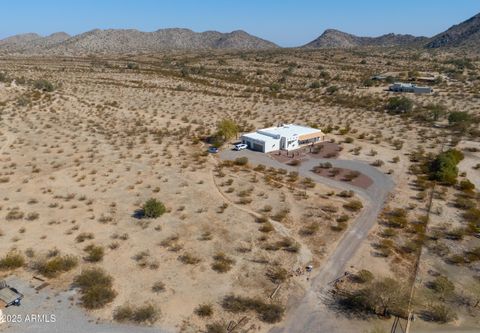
131, 41
123, 41
333, 38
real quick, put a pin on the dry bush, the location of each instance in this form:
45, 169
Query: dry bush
96, 288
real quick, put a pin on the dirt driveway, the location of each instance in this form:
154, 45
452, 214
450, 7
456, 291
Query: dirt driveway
310, 313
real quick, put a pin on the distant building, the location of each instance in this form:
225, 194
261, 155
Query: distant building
410, 88
284, 137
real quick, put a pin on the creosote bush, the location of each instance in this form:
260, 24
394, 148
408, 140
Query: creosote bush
153, 209
94, 253
43, 85
12, 260
204, 310
52, 267
96, 288
269, 313
142, 314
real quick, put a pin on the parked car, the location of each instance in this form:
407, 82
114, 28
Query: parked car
213, 150
240, 146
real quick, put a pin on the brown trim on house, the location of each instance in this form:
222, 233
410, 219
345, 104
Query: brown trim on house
310, 136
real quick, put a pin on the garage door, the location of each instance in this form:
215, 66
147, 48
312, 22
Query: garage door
257, 147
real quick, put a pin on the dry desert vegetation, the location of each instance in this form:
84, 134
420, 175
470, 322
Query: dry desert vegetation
106, 185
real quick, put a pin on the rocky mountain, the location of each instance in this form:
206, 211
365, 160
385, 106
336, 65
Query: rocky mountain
131, 41
32, 42
337, 39
465, 34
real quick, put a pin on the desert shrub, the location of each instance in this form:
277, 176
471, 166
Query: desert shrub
269, 313
439, 313
456, 234
43, 85
464, 203
216, 328
353, 205
310, 229
222, 263
281, 215
389, 232
12, 260
466, 185
123, 313
266, 227
364, 276
457, 117
56, 265
204, 310
132, 65
442, 286
399, 105
346, 194
142, 314
83, 237
241, 161
189, 259
277, 274
382, 297
396, 218
473, 254
96, 288
158, 287
94, 253
14, 214
153, 209
456, 259
342, 218
288, 244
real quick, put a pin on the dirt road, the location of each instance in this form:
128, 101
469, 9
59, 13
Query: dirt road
310, 313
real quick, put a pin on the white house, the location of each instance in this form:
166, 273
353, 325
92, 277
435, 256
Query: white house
411, 88
284, 137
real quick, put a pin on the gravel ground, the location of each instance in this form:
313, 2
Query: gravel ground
68, 317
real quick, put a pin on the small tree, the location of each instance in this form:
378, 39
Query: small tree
227, 129
399, 105
153, 209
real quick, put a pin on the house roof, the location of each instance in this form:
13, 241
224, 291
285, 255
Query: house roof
288, 130
277, 132
259, 137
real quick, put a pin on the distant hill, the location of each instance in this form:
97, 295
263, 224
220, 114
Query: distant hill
131, 41
337, 39
123, 41
465, 34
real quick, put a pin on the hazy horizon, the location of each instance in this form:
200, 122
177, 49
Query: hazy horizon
286, 23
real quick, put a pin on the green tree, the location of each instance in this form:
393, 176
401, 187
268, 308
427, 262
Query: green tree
444, 167
227, 129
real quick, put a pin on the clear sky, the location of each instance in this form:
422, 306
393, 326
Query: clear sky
285, 22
